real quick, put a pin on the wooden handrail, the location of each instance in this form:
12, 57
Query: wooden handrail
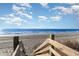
19, 50
41, 46
58, 46
45, 54
42, 51
66, 50
22, 47
54, 52
16, 50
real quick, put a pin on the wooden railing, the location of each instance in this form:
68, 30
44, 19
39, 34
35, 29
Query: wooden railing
53, 48
20, 50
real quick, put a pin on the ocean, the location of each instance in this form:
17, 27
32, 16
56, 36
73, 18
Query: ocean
37, 31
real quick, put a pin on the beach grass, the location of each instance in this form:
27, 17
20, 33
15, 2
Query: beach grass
74, 44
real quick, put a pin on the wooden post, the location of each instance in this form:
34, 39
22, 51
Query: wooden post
53, 38
15, 42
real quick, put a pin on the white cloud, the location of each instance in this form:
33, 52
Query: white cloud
22, 11
26, 5
42, 17
44, 5
15, 18
2, 18
56, 18
75, 8
11, 15
17, 8
63, 9
29, 16
12, 19
16, 21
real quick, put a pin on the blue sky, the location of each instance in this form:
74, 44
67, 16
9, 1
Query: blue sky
39, 15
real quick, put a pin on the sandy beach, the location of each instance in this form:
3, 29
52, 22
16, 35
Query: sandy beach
31, 42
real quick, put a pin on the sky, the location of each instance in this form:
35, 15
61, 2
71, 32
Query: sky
39, 15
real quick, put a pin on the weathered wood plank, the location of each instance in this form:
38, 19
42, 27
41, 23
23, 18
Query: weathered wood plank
46, 54
17, 50
63, 48
54, 52
42, 51
41, 46
20, 50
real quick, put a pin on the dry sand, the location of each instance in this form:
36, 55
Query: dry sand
31, 42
